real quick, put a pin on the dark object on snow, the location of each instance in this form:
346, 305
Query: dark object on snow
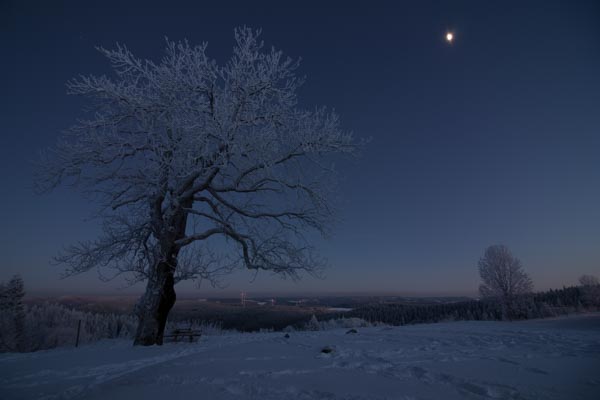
78, 331
287, 336
352, 331
182, 333
326, 350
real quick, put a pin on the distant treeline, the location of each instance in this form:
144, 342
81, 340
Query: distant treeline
539, 305
42, 326
246, 319
25, 328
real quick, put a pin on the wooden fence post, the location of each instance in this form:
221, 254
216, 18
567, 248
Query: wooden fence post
78, 330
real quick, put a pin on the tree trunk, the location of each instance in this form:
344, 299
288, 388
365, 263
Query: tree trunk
154, 306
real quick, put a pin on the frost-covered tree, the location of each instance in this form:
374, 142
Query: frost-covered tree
313, 324
591, 289
12, 318
588, 280
3, 297
503, 278
200, 167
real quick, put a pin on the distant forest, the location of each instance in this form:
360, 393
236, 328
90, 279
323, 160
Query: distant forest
46, 325
539, 305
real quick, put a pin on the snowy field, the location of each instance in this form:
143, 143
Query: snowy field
543, 359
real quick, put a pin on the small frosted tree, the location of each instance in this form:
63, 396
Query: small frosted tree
199, 167
591, 289
313, 324
503, 278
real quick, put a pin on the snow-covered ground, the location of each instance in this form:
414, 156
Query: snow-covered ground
543, 359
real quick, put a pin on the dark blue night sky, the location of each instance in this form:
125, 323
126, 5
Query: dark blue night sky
493, 139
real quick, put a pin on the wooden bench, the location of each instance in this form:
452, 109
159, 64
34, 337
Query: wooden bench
175, 334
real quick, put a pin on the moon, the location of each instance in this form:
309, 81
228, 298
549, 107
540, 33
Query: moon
449, 37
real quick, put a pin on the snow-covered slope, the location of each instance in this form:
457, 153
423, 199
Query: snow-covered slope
548, 359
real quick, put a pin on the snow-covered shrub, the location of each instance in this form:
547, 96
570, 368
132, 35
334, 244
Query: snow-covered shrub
344, 323
337, 323
207, 328
211, 328
312, 324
